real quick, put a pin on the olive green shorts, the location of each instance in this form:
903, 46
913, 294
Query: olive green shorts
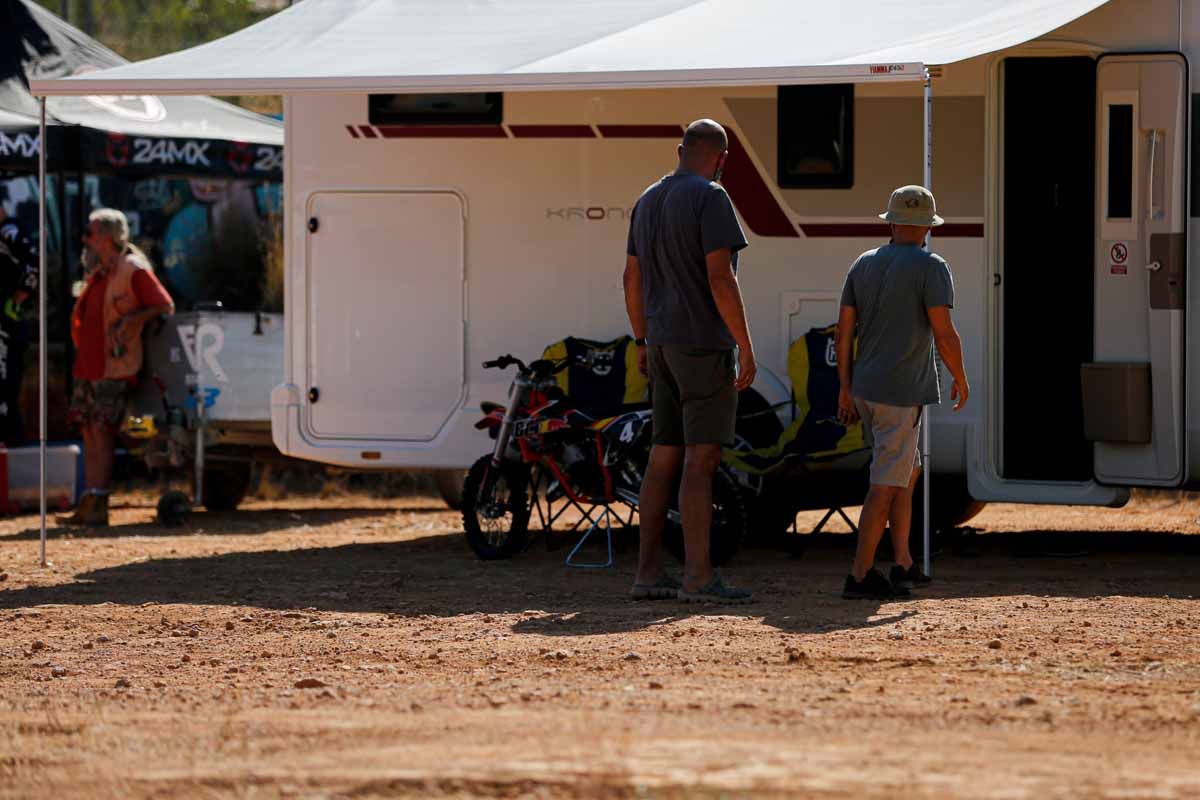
694, 399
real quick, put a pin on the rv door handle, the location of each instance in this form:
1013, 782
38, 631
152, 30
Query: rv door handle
1154, 210
1154, 266
314, 394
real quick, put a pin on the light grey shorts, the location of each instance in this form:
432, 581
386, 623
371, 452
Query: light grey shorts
892, 433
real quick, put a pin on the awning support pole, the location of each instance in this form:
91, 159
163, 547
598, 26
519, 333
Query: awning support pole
42, 356
926, 463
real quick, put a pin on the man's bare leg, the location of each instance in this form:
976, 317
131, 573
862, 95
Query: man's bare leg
100, 455
695, 506
871, 523
91, 466
900, 519
657, 484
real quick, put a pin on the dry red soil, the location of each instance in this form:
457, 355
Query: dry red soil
352, 647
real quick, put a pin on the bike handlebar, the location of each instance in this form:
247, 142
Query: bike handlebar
504, 362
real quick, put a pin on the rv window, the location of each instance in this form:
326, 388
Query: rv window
1120, 162
473, 108
816, 136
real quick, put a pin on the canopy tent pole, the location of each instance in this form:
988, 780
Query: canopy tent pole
42, 359
926, 464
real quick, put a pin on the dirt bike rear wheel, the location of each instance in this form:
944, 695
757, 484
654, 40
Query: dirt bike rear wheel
729, 522
497, 526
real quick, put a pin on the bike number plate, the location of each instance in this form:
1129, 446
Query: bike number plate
526, 429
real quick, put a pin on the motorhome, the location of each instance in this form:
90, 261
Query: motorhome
443, 211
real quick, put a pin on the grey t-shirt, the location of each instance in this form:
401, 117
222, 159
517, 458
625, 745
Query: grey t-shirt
891, 287
676, 223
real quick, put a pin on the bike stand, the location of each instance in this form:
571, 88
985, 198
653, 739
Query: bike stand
606, 518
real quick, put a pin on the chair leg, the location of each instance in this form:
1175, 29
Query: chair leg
829, 515
824, 519
605, 516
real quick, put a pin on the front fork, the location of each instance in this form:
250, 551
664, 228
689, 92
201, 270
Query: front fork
516, 399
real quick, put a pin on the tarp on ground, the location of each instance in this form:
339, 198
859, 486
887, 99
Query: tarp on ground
130, 132
501, 45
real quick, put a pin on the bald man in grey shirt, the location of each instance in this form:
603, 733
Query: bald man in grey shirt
686, 311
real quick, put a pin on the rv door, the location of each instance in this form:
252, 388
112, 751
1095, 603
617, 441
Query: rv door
1133, 392
385, 306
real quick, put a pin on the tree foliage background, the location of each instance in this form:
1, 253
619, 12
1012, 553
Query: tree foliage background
140, 29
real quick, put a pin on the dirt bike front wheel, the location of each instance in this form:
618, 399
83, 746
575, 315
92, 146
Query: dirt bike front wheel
496, 522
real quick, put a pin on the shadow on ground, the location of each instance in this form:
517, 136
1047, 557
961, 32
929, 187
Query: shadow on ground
232, 523
436, 575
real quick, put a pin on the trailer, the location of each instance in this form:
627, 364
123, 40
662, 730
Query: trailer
459, 180
204, 405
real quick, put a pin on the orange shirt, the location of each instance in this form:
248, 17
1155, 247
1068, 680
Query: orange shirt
89, 360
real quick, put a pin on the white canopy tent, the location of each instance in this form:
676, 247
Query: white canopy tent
515, 45
509, 45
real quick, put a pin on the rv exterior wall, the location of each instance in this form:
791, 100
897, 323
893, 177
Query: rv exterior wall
546, 230
547, 217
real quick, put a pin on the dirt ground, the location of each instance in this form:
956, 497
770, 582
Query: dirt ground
351, 647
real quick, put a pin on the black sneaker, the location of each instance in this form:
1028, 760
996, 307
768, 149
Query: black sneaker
911, 578
873, 586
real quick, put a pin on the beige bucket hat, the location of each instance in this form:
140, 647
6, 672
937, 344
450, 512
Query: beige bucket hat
912, 205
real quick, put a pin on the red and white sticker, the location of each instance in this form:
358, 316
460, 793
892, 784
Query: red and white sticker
1119, 254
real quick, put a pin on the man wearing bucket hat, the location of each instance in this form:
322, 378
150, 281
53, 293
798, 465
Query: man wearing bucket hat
897, 300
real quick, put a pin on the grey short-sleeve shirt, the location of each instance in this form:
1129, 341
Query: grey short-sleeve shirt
677, 222
891, 288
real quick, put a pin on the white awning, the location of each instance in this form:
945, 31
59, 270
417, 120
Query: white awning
504, 45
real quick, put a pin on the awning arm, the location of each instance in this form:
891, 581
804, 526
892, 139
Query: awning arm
926, 438
42, 359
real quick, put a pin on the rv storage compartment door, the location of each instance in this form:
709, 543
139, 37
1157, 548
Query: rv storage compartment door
385, 309
1140, 260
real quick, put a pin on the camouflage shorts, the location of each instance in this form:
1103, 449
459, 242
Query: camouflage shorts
99, 402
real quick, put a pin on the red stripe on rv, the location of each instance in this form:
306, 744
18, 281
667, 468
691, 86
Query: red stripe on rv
552, 131
751, 195
641, 131
442, 132
747, 189
353, 132
873, 230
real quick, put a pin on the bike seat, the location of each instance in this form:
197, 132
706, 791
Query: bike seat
598, 412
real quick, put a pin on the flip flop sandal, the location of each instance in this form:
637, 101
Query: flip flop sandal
665, 588
717, 592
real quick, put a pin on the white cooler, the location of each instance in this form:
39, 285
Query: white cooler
63, 485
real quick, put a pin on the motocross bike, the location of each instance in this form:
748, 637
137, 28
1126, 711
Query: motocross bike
545, 443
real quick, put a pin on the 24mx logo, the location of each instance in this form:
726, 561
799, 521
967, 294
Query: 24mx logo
169, 152
202, 344
21, 144
268, 158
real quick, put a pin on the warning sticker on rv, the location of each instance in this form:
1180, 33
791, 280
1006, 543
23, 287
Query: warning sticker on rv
1119, 255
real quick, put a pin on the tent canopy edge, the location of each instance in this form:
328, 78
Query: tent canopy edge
96, 84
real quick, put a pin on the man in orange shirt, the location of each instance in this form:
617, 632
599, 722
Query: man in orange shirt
121, 295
